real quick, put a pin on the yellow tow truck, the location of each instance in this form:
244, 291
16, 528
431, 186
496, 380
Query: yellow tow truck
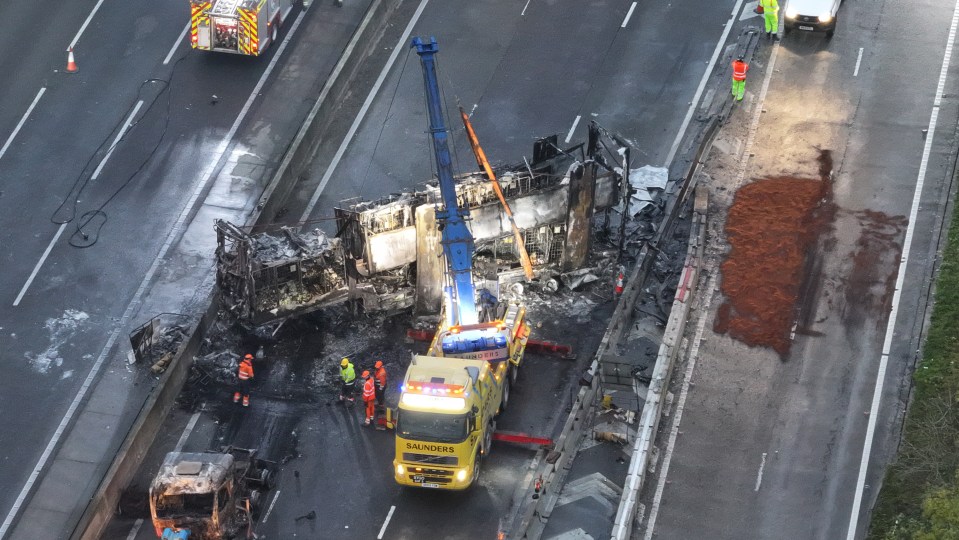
449, 401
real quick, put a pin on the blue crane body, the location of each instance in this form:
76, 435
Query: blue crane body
457, 239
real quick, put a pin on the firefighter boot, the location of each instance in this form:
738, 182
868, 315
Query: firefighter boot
246, 401
236, 397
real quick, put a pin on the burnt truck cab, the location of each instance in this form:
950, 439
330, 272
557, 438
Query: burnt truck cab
211, 494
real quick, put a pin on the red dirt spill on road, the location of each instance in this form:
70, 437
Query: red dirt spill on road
772, 227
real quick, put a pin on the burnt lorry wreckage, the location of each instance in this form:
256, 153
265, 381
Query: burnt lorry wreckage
386, 254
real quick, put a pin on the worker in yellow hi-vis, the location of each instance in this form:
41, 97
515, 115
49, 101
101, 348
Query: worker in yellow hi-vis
770, 16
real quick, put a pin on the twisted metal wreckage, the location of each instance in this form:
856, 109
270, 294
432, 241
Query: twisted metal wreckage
387, 253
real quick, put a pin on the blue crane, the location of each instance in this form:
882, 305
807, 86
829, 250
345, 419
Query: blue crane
457, 239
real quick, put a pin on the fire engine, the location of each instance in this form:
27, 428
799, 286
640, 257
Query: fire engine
237, 26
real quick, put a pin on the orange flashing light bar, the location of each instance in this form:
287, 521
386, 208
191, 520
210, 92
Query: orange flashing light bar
434, 389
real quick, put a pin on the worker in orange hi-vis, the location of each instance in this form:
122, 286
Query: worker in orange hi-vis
369, 396
739, 78
380, 375
244, 375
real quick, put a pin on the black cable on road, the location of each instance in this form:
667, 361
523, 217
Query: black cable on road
87, 231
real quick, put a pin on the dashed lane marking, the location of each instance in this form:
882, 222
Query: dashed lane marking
186, 431
22, 121
389, 516
176, 44
135, 530
270, 509
759, 475
572, 129
83, 27
629, 15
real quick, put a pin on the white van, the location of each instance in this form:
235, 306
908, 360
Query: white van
812, 16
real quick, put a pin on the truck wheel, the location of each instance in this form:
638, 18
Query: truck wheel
274, 32
476, 472
488, 439
514, 373
507, 385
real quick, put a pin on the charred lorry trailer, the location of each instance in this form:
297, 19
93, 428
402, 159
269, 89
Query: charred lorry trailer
237, 26
211, 495
269, 276
386, 253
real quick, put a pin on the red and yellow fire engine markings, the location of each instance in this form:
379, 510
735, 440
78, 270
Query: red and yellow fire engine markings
248, 27
197, 15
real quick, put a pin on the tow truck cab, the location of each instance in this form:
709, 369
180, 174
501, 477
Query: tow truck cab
445, 420
450, 398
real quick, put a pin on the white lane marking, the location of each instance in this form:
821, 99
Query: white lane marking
186, 431
749, 10
403, 43
135, 301
572, 129
629, 14
757, 114
22, 121
176, 44
43, 258
855, 72
136, 529
524, 9
759, 475
702, 84
270, 509
116, 140
900, 279
680, 406
385, 523
94, 176
85, 23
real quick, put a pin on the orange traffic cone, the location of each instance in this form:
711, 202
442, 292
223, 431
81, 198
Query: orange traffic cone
619, 282
71, 63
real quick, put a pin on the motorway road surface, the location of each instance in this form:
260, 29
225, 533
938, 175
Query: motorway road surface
61, 303
792, 432
548, 68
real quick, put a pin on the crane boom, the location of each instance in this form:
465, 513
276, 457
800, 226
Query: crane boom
456, 237
484, 164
